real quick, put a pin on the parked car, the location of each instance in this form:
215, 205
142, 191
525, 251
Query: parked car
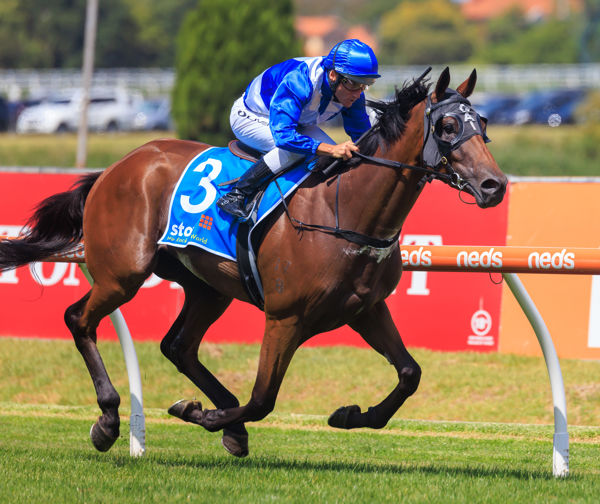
15, 108
548, 107
153, 114
4, 114
108, 110
496, 108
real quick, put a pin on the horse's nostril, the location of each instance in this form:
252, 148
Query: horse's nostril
491, 185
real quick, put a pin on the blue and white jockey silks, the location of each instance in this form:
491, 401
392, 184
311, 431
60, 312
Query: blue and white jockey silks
282, 107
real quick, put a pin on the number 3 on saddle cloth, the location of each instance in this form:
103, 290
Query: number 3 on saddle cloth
195, 220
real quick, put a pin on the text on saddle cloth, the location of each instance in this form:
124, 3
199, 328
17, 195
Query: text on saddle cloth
194, 218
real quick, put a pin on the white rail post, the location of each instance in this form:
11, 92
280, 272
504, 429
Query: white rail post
137, 422
560, 458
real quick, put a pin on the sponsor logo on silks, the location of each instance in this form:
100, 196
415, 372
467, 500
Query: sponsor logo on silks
489, 259
547, 260
418, 257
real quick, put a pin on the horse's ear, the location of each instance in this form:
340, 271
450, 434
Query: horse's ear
442, 85
467, 87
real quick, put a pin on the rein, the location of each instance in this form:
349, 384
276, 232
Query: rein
452, 178
449, 176
351, 236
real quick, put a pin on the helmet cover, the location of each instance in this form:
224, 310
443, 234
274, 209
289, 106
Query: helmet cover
353, 59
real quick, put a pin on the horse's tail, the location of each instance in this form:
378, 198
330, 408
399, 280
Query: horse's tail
56, 226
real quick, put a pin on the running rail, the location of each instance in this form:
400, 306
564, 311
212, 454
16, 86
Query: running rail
507, 261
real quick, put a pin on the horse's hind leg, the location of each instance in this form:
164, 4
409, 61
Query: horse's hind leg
202, 307
82, 319
378, 329
181, 344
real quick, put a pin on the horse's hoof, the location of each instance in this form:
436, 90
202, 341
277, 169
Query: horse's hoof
236, 444
214, 420
101, 439
339, 418
188, 411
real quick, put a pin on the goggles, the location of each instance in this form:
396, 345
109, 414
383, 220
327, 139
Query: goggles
352, 85
355, 82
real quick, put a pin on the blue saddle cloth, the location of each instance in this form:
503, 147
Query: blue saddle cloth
194, 217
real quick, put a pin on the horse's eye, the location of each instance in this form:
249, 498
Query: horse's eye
449, 128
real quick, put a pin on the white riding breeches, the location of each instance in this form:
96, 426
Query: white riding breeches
253, 129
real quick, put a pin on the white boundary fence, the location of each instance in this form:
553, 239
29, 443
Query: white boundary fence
505, 260
17, 83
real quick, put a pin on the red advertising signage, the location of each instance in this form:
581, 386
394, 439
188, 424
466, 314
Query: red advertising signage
450, 311
441, 311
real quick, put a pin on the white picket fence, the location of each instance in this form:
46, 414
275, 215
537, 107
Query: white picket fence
159, 81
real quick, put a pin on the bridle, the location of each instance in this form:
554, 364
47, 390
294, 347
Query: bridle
448, 176
434, 155
436, 152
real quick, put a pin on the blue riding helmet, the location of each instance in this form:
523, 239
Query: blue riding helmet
353, 59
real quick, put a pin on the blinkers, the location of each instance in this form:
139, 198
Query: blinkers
469, 123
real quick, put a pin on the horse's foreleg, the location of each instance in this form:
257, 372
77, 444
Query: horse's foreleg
281, 339
82, 319
378, 329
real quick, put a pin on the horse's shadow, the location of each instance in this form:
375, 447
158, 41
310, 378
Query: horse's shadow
268, 463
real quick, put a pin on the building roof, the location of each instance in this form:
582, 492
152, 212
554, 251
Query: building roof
321, 33
480, 10
315, 26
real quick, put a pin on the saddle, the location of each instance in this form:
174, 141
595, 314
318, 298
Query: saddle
245, 242
241, 150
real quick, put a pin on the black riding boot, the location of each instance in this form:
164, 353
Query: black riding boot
234, 202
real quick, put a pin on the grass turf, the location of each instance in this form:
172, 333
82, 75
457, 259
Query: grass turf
525, 150
45, 456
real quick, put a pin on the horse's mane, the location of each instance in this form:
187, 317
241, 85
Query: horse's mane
392, 117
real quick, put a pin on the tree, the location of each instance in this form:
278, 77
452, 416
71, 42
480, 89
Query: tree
589, 43
49, 33
222, 46
158, 24
425, 32
511, 39
42, 34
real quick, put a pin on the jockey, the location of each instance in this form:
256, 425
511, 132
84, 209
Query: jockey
281, 109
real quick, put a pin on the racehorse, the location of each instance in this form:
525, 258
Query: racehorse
316, 276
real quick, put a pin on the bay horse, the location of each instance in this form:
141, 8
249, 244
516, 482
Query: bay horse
314, 280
